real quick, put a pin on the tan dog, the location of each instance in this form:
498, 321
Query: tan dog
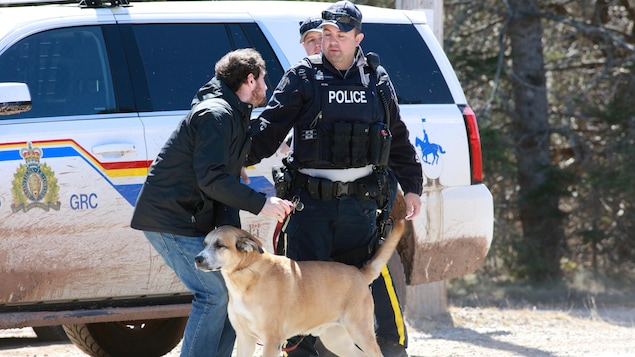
273, 298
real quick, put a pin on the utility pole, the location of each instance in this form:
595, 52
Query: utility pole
433, 10
426, 299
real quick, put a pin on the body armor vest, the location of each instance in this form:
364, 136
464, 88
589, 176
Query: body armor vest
344, 127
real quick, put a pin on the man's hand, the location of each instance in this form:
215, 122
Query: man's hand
413, 205
244, 176
277, 208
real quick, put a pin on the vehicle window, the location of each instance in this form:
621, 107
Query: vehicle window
179, 58
249, 35
67, 72
409, 63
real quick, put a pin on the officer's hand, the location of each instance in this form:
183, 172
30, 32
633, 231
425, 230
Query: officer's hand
277, 208
413, 205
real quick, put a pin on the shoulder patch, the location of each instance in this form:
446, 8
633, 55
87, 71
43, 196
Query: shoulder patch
284, 82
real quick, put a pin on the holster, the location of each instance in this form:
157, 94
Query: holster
380, 139
384, 180
384, 227
368, 187
283, 181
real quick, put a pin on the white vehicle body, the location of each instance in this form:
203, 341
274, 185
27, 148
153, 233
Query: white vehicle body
68, 182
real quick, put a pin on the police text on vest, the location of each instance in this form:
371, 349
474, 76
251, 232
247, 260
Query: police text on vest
347, 96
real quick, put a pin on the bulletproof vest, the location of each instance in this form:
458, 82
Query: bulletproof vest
342, 126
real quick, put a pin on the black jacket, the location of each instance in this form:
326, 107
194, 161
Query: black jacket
194, 183
293, 99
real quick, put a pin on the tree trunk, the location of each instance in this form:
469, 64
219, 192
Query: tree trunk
538, 201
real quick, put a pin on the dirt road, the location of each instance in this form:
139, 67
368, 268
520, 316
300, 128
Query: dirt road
465, 331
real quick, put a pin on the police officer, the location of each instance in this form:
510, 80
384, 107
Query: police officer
311, 40
311, 35
347, 135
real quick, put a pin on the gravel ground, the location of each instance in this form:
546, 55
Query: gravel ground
585, 316
464, 331
528, 332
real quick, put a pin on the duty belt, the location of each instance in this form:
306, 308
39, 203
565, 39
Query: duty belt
324, 189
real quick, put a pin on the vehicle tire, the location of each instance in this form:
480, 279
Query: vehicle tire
147, 338
50, 333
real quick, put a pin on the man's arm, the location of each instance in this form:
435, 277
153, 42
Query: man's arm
282, 110
212, 163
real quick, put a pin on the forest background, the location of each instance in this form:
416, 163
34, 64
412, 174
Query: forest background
552, 86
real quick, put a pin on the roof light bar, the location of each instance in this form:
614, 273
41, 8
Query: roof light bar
100, 3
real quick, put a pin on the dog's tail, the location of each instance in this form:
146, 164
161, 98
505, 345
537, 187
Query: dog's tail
373, 268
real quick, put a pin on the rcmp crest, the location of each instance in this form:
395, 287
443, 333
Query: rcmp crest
34, 183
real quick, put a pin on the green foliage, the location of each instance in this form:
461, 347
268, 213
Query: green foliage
554, 186
475, 63
534, 267
496, 149
590, 84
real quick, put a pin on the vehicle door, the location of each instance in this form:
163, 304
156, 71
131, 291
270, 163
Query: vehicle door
71, 168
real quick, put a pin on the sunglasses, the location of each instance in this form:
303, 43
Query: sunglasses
345, 19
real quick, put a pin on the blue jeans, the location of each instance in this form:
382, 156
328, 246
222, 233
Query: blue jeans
208, 331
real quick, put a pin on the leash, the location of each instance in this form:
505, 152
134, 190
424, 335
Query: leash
293, 340
276, 232
297, 206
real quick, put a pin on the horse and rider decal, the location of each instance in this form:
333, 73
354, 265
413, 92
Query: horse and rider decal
430, 152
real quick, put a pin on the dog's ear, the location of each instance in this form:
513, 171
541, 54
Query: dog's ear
246, 243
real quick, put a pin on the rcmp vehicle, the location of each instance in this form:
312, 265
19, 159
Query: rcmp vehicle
88, 95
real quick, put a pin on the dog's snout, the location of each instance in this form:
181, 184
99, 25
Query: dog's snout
199, 259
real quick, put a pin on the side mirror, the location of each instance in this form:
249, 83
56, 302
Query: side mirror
14, 98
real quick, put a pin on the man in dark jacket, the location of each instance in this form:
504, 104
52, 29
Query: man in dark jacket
348, 140
193, 186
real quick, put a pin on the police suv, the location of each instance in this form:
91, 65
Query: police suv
90, 92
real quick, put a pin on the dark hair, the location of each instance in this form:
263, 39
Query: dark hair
236, 65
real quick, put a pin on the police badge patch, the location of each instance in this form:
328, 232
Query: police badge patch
34, 184
310, 134
284, 82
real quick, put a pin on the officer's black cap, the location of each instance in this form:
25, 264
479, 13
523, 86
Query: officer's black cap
343, 14
312, 24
